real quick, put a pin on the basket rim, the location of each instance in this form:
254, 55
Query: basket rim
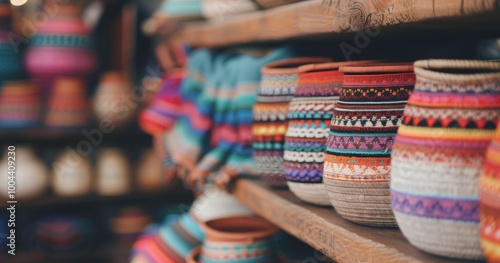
426, 69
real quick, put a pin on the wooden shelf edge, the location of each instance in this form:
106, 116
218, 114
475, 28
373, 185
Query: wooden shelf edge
323, 229
320, 17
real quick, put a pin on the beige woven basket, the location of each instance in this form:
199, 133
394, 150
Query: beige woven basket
311, 193
435, 168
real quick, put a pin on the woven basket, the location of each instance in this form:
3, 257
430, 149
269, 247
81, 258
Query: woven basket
489, 201
20, 105
362, 131
278, 84
309, 117
437, 157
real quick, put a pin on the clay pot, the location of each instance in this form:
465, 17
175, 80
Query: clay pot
438, 154
194, 256
31, 174
20, 105
112, 99
365, 122
67, 107
113, 173
309, 115
238, 239
277, 87
72, 175
61, 47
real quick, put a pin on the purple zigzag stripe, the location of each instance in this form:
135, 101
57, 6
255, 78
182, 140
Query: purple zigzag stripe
433, 207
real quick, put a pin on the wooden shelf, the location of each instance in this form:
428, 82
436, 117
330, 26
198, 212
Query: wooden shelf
325, 230
326, 17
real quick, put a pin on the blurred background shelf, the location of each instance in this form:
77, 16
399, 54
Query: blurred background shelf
317, 18
164, 195
325, 230
117, 253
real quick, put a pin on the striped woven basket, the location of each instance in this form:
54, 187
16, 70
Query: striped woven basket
365, 122
489, 202
437, 157
309, 117
277, 87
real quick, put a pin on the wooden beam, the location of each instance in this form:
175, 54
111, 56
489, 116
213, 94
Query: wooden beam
318, 17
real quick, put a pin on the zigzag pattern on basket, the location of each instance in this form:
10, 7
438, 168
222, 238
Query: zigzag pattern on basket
431, 207
354, 168
360, 143
367, 121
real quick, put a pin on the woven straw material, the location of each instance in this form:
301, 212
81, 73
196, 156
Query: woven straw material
489, 201
440, 237
364, 203
362, 131
438, 155
311, 193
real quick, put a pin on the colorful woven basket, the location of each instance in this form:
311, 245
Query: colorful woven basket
277, 87
67, 106
489, 202
61, 47
309, 115
20, 105
365, 122
438, 153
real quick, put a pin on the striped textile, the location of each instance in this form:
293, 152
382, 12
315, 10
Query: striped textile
164, 110
489, 201
171, 244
